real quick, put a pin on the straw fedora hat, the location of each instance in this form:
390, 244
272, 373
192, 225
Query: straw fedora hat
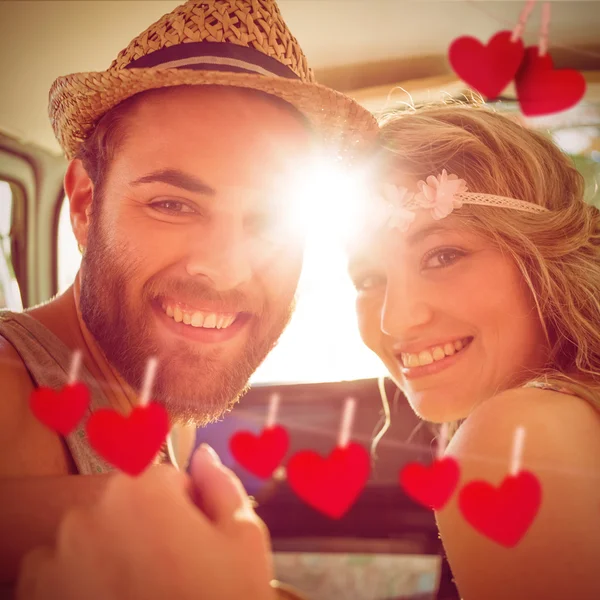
242, 43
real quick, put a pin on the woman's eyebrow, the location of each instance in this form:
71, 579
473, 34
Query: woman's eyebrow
358, 263
420, 235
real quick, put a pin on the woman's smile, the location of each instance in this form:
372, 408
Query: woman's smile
433, 359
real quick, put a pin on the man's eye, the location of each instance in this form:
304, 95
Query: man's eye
365, 283
173, 207
445, 257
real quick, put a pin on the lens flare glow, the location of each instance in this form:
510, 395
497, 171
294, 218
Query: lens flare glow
322, 342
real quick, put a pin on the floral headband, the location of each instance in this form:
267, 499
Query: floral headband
441, 195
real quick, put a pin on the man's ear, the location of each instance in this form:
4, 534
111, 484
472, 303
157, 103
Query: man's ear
79, 190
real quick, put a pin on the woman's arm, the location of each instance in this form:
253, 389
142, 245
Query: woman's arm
559, 555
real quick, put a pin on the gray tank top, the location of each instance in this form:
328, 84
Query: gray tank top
48, 360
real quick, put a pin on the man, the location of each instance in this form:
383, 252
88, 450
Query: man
180, 153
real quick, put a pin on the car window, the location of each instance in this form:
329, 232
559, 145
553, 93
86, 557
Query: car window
10, 296
69, 257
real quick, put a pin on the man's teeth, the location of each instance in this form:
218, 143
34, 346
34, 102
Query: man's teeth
427, 357
199, 319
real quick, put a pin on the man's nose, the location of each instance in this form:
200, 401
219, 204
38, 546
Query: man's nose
406, 307
221, 254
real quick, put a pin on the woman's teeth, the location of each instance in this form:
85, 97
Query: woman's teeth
427, 357
199, 319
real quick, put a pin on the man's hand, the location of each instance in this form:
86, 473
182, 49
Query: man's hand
162, 535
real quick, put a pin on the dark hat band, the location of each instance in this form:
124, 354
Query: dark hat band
213, 56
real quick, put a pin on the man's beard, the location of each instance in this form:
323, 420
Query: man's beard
195, 386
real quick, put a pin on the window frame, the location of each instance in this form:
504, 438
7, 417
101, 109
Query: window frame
20, 176
36, 176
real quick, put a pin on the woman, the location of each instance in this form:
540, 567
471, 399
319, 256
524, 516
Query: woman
485, 308
479, 291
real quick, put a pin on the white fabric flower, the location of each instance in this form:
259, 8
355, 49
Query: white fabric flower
397, 198
439, 194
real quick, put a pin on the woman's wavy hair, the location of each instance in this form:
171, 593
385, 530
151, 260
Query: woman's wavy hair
558, 253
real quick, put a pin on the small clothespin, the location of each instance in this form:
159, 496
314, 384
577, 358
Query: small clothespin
504, 513
332, 484
432, 485
63, 409
542, 89
263, 454
131, 442
489, 68
74, 368
346, 423
517, 451
544, 30
272, 411
517, 32
148, 383
181, 438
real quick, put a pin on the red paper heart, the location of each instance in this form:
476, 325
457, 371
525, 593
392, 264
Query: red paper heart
431, 485
332, 484
486, 68
129, 443
542, 89
62, 410
502, 514
260, 454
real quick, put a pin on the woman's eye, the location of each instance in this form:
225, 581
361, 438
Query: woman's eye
442, 258
174, 207
368, 282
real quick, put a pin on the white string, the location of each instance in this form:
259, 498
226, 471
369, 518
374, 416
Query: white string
75, 365
148, 381
347, 420
517, 451
272, 412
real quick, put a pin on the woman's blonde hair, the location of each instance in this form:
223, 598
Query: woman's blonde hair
558, 253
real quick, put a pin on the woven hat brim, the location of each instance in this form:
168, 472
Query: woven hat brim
79, 100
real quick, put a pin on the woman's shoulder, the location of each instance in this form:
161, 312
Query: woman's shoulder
557, 424
537, 403
561, 449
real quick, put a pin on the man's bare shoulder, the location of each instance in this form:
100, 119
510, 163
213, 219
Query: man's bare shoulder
27, 448
16, 389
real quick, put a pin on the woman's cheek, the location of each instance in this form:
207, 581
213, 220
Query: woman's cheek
368, 311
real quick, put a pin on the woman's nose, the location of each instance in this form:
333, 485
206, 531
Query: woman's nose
406, 306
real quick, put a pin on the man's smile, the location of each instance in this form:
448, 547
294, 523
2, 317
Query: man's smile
206, 318
206, 326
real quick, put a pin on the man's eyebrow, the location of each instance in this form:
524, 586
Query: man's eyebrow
177, 178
